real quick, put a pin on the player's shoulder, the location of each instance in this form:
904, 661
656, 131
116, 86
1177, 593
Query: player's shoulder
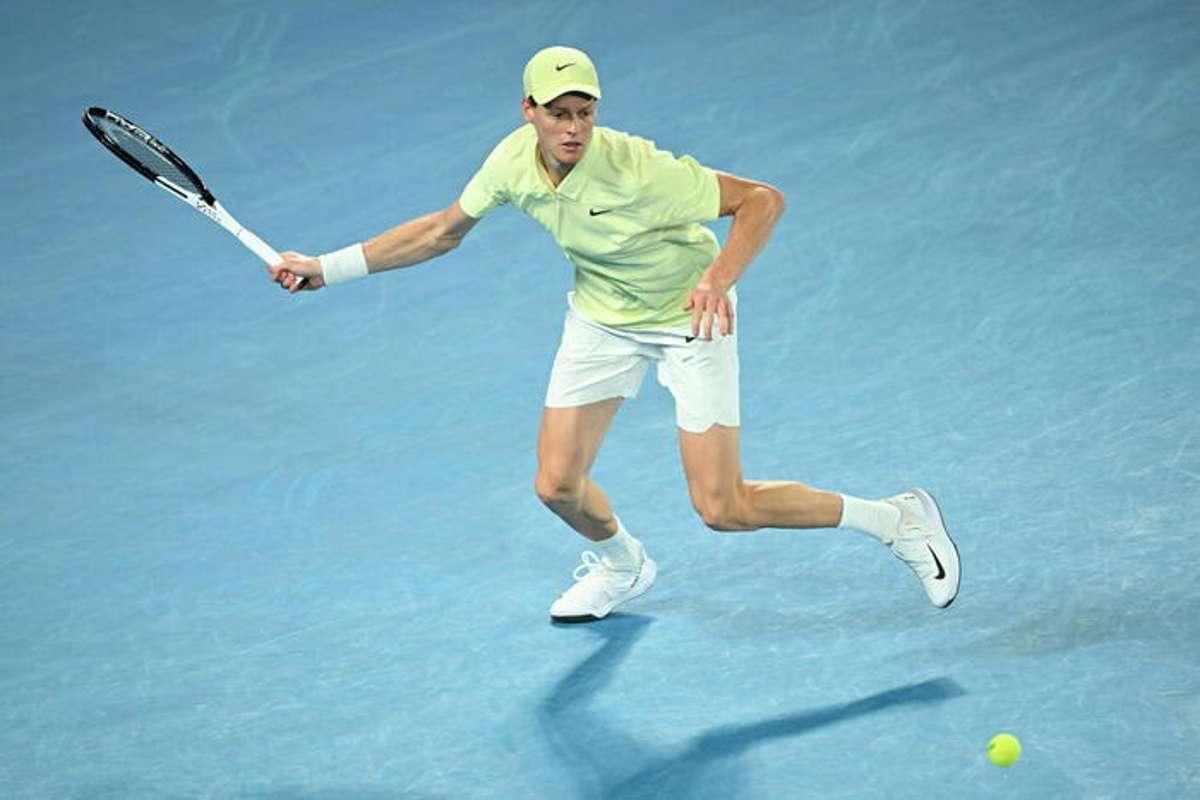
622, 146
623, 157
636, 153
512, 149
522, 138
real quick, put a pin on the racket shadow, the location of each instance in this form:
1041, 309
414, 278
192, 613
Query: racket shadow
607, 761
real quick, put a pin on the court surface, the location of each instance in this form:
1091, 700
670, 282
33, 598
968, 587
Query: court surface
260, 546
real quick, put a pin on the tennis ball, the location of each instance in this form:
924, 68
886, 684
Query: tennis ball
1004, 749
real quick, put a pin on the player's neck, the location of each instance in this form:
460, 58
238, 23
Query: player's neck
555, 173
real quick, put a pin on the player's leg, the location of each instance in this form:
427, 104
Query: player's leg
593, 372
568, 442
727, 502
910, 523
703, 377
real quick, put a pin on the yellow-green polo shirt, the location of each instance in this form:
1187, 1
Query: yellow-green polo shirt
627, 216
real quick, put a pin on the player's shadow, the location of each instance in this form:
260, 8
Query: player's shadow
609, 763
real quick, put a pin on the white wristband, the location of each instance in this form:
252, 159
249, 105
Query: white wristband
347, 264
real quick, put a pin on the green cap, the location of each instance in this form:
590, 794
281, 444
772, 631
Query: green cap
558, 70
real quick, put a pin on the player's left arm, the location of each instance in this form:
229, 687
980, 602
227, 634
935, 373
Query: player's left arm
755, 208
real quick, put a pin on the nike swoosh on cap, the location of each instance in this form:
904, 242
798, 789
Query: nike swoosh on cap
561, 67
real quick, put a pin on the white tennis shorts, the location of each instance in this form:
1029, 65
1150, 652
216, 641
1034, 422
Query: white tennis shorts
597, 363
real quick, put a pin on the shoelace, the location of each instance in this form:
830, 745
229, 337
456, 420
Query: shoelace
911, 546
910, 522
591, 562
594, 567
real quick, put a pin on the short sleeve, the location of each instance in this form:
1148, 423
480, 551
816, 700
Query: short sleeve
680, 190
486, 190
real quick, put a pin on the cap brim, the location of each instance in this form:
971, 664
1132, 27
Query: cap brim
551, 93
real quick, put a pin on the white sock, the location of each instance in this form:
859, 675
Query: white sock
622, 550
875, 517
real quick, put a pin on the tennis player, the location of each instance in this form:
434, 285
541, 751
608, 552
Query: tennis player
653, 286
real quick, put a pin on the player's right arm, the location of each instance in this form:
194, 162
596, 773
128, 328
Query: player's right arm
405, 245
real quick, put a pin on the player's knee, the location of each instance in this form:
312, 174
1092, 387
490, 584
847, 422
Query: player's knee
558, 490
720, 513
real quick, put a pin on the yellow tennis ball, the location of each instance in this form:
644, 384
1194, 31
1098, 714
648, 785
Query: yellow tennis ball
1004, 749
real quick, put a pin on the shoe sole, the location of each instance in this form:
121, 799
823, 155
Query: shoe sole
934, 512
641, 585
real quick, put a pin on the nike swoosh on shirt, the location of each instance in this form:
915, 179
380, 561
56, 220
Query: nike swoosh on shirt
596, 213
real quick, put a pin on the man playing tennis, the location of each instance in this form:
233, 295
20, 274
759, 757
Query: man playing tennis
652, 285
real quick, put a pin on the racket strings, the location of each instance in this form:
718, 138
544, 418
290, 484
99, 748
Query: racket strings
147, 155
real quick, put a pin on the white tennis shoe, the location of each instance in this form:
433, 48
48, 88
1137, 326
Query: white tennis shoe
599, 588
922, 542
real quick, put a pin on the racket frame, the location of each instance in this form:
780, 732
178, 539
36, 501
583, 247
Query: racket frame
202, 200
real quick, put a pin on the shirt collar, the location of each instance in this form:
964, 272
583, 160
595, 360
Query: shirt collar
571, 186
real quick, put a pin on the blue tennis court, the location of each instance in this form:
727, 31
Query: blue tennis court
264, 546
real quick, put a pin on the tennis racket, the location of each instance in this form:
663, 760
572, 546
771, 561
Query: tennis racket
159, 163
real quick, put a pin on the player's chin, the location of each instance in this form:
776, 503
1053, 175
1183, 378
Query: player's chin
571, 153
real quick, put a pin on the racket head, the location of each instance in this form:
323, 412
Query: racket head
143, 152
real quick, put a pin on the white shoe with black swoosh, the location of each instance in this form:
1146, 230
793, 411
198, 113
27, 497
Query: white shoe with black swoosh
922, 542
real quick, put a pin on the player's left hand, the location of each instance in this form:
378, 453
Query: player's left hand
708, 302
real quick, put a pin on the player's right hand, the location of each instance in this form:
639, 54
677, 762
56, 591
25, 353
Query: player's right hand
294, 266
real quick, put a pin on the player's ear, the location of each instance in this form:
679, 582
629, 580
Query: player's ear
527, 107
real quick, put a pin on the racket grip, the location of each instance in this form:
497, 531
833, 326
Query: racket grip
217, 213
264, 251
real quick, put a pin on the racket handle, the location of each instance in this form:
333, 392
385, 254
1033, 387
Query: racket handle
217, 213
264, 251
